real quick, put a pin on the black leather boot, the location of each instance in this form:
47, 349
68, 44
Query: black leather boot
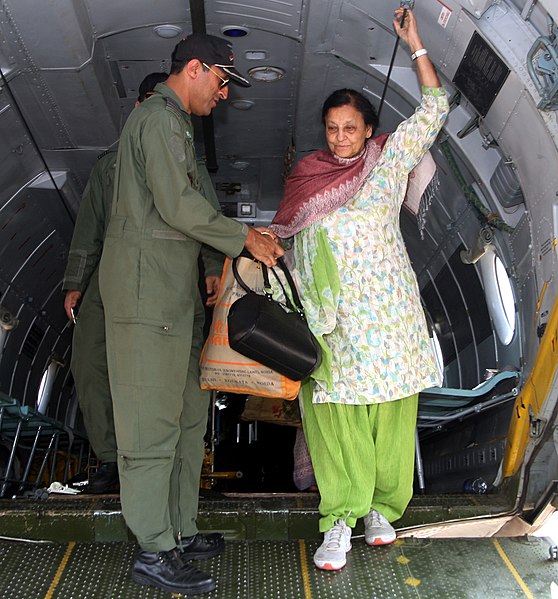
105, 480
201, 546
167, 571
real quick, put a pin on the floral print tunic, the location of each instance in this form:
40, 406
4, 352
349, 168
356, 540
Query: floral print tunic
380, 347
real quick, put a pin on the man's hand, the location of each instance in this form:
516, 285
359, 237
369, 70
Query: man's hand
71, 300
212, 285
263, 246
267, 231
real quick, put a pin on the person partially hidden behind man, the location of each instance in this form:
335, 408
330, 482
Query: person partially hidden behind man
148, 278
81, 283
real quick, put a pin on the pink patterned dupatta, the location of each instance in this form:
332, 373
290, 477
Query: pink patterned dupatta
322, 182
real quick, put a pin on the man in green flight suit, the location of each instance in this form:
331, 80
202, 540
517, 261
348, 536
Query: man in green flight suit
81, 283
149, 285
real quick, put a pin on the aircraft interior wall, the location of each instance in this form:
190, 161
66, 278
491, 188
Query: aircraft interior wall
70, 73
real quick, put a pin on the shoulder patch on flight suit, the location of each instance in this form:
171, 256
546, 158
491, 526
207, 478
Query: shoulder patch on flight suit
173, 107
176, 141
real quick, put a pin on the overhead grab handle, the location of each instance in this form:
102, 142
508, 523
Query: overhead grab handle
405, 5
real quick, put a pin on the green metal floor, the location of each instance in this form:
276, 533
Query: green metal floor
443, 568
79, 547
276, 517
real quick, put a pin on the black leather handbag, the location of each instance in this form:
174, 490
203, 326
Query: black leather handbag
271, 333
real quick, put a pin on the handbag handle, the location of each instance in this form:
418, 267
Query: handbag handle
297, 307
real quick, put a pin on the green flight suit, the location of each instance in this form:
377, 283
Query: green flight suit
89, 362
154, 316
212, 259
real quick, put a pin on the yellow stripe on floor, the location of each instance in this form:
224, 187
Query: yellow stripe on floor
304, 569
60, 570
512, 569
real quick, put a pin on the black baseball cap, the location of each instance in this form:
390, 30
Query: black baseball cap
148, 84
212, 50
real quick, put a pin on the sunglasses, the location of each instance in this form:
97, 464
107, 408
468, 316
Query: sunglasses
223, 80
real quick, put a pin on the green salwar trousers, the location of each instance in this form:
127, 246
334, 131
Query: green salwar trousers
362, 455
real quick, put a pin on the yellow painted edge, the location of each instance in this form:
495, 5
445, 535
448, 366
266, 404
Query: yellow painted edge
540, 300
512, 569
60, 570
304, 569
518, 434
532, 395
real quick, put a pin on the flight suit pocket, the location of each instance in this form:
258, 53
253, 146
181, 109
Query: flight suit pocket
115, 227
145, 352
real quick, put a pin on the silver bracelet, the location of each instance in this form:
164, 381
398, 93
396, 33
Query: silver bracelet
418, 53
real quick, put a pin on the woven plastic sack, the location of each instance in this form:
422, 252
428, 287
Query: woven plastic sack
223, 369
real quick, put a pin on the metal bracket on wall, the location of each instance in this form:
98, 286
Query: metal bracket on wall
536, 425
542, 65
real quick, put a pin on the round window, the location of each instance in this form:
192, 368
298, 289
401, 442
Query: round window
499, 296
438, 351
42, 396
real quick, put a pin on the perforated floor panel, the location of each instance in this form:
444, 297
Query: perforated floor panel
417, 568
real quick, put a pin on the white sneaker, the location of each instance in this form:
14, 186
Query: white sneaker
377, 530
331, 554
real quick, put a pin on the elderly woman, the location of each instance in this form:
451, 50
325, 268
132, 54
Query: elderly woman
362, 301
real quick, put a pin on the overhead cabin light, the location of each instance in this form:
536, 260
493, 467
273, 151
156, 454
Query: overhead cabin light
242, 104
167, 31
255, 55
235, 31
240, 165
266, 74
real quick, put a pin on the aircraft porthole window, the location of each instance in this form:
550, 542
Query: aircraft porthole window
45, 388
499, 296
506, 293
3, 334
41, 394
438, 351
